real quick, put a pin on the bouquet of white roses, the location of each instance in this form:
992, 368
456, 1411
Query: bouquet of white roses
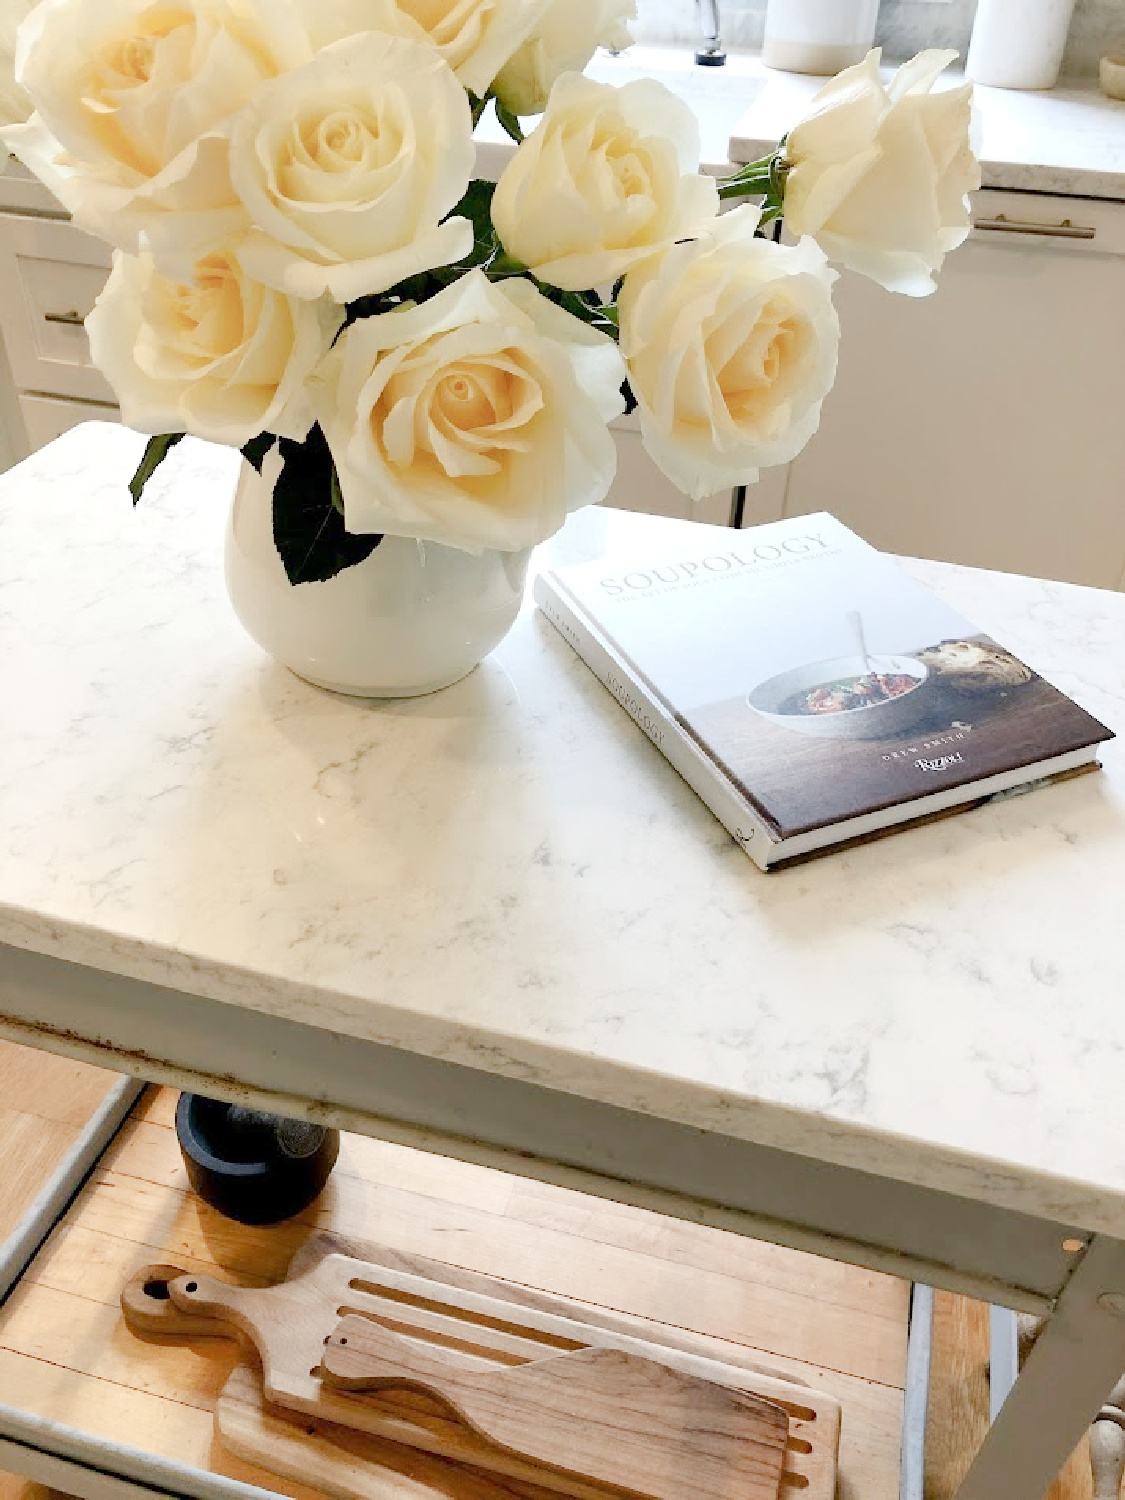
306, 267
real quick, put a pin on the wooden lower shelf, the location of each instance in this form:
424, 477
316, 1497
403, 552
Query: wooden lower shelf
65, 1353
45, 1102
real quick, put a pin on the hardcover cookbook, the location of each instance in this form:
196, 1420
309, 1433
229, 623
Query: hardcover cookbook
806, 688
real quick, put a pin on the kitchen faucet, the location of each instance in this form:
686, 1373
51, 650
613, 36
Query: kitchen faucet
710, 54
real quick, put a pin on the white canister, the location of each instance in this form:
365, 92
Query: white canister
818, 36
1019, 44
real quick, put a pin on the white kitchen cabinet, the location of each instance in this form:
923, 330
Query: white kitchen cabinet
640, 486
48, 417
50, 274
986, 423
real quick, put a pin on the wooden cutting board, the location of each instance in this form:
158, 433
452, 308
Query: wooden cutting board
609, 1417
591, 1431
814, 1417
343, 1463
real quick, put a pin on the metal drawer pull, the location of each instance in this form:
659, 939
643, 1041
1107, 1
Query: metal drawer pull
71, 319
1064, 231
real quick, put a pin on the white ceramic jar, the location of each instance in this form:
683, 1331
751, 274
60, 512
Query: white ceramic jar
1019, 44
412, 618
818, 36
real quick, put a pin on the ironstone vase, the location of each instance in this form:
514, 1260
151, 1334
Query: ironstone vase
413, 617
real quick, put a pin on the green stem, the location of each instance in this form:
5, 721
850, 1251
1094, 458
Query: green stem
744, 187
764, 178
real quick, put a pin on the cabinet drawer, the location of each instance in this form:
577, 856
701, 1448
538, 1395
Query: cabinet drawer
1079, 226
22, 191
50, 276
48, 417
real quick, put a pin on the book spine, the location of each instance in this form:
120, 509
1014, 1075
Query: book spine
678, 748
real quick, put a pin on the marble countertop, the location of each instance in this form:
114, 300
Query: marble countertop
1068, 141
508, 875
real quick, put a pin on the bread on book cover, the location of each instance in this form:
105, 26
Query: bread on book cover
803, 677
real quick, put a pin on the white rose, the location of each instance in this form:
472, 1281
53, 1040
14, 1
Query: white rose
476, 37
564, 42
477, 419
15, 105
132, 100
606, 179
347, 166
328, 21
880, 177
222, 357
731, 344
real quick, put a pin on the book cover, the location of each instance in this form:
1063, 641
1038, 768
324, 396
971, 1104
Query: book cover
806, 687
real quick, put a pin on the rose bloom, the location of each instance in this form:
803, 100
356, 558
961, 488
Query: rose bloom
564, 42
221, 357
131, 98
476, 37
731, 345
348, 165
607, 178
880, 177
15, 105
476, 419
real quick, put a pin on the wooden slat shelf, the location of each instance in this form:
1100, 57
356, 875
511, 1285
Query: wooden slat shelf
65, 1352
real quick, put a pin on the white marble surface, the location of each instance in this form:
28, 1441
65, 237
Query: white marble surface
508, 875
1063, 140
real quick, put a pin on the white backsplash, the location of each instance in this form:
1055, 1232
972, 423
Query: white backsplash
905, 27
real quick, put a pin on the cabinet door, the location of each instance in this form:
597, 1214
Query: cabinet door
50, 276
986, 424
48, 417
639, 484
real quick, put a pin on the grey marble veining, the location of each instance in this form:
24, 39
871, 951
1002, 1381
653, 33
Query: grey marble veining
508, 875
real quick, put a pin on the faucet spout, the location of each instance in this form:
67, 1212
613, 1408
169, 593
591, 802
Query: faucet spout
710, 53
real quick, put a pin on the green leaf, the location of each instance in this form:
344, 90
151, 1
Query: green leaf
256, 449
477, 105
511, 122
308, 530
156, 451
335, 493
502, 265
603, 318
476, 206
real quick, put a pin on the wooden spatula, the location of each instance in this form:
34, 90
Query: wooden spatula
606, 1416
290, 1323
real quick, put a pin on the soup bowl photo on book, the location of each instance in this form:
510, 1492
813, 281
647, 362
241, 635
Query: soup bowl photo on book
813, 699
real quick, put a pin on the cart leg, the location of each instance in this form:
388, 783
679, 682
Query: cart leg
919, 1348
1076, 1361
